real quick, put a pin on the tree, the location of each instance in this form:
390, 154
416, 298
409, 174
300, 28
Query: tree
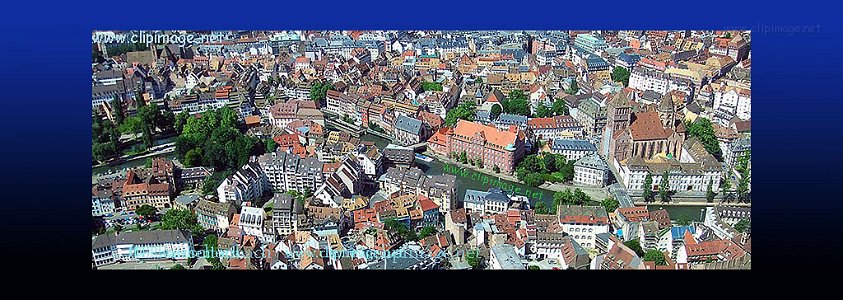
479, 163
743, 186
655, 256
495, 111
543, 111
496, 169
648, 187
742, 225
573, 89
147, 211
683, 220
703, 130
664, 187
463, 158
728, 35
177, 267
610, 204
621, 74
533, 267
464, 111
431, 86
725, 189
516, 103
117, 110
270, 145
635, 246
427, 231
319, 91
541, 208
743, 162
180, 219
131, 125
534, 179
472, 257
709, 193
560, 108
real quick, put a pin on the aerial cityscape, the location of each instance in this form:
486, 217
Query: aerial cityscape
421, 150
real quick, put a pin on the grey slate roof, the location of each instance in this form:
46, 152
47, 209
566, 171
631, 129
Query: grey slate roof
592, 161
575, 145
408, 124
282, 202
187, 199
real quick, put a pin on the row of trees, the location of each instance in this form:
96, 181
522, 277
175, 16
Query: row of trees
104, 138
566, 197
536, 169
664, 191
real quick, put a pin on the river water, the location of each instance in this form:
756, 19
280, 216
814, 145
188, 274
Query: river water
470, 179
466, 179
137, 162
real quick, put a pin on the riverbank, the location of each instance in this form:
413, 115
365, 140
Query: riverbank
165, 149
596, 194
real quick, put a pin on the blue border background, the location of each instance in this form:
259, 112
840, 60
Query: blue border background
45, 123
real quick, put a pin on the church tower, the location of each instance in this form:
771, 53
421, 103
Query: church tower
667, 111
618, 112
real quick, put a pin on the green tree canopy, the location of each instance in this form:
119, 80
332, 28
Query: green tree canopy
621, 74
610, 204
464, 111
427, 231
664, 187
431, 86
703, 130
559, 107
147, 211
635, 246
495, 111
472, 257
655, 256
742, 225
180, 219
517, 103
648, 187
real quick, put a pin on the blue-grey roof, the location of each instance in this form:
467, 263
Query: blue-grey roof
482, 116
592, 161
596, 61
497, 196
187, 199
508, 257
630, 59
512, 119
474, 196
678, 232
408, 124
575, 145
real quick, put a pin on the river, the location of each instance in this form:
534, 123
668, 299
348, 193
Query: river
469, 179
136, 162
